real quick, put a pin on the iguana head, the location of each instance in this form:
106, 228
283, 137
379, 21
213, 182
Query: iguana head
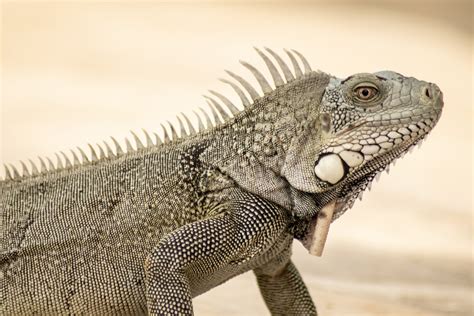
367, 122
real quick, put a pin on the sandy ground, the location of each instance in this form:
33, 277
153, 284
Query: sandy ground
74, 73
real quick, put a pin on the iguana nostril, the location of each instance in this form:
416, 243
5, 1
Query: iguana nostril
428, 92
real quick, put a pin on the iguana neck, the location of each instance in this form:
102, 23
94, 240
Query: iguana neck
262, 143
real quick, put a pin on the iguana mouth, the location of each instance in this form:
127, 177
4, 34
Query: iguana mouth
318, 228
347, 156
350, 128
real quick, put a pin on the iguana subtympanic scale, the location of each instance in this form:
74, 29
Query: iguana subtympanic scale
146, 230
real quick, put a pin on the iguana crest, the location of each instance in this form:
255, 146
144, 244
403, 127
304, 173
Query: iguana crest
217, 108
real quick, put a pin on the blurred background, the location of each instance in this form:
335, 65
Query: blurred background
75, 72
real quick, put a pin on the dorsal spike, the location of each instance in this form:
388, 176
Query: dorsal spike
192, 131
67, 162
217, 119
59, 162
93, 153
16, 174
110, 152
75, 158
84, 157
200, 123
182, 131
42, 165
166, 136
137, 141
307, 67
284, 67
101, 151
50, 164
158, 139
25, 172
128, 146
240, 93
174, 134
294, 62
252, 92
34, 169
208, 119
219, 108
118, 149
258, 75
149, 141
8, 175
277, 79
233, 109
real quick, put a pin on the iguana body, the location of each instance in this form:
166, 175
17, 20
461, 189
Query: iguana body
145, 231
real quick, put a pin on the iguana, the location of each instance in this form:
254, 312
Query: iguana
145, 230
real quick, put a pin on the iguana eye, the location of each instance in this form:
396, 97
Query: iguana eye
365, 92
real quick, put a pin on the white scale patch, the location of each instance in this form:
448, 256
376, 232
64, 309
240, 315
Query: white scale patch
330, 169
352, 158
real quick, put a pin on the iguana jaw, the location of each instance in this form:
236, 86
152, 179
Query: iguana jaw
318, 228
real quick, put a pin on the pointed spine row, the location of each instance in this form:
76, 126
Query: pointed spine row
64, 162
217, 110
265, 86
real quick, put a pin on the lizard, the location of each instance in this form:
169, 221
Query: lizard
146, 229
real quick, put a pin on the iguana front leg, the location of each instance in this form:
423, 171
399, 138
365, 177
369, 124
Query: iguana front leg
167, 286
283, 289
247, 229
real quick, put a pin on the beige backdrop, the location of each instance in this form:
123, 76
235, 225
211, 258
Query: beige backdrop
78, 72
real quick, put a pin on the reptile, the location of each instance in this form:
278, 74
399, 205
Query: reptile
144, 230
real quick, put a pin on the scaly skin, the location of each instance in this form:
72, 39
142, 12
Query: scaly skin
147, 230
